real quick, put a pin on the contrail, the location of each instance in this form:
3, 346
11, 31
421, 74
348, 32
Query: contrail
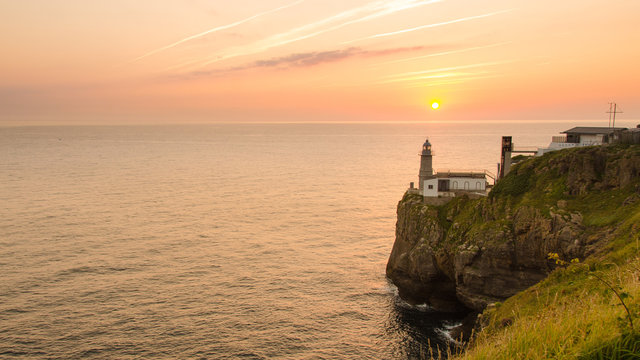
219, 28
459, 80
428, 26
375, 10
417, 75
444, 53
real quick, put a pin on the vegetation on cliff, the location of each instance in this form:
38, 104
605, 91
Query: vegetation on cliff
583, 310
581, 205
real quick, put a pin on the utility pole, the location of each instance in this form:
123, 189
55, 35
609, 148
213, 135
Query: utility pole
613, 110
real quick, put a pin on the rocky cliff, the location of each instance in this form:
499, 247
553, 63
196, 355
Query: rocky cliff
469, 253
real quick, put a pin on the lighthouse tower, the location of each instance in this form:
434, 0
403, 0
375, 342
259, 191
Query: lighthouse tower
426, 164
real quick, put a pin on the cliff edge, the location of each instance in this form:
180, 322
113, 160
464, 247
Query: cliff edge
469, 253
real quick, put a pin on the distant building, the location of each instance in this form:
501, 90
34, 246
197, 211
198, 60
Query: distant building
586, 136
583, 136
447, 184
575, 137
629, 136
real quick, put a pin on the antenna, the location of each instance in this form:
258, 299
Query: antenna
613, 110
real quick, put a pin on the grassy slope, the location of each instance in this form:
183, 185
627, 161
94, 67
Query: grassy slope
574, 313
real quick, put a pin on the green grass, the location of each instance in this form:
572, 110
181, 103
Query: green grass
625, 347
603, 208
516, 183
565, 317
576, 312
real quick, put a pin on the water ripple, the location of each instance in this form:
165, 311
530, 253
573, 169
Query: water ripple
217, 242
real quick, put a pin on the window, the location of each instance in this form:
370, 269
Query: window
430, 187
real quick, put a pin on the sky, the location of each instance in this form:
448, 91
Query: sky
194, 61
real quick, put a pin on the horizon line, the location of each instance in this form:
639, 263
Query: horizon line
44, 123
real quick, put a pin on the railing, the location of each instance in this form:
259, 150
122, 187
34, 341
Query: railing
490, 174
467, 171
460, 171
525, 149
486, 172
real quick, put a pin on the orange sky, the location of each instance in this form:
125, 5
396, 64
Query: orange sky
122, 61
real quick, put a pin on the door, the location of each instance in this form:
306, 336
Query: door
443, 185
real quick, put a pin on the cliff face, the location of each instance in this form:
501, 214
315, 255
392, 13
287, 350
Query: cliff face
470, 253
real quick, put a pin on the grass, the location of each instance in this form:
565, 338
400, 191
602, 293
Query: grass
581, 311
519, 181
602, 208
624, 347
568, 316
577, 312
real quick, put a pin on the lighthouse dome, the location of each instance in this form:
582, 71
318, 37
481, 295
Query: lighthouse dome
426, 148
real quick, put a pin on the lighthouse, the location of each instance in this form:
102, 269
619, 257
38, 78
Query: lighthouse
426, 164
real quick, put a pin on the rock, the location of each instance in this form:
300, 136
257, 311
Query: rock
464, 331
576, 218
425, 269
480, 252
414, 266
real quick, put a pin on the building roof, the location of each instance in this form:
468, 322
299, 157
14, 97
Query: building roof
592, 130
451, 174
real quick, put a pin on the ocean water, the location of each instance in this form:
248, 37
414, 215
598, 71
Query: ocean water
227, 241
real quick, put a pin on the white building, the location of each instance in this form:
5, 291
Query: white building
447, 183
581, 136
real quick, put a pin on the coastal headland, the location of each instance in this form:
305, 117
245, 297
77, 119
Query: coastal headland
571, 211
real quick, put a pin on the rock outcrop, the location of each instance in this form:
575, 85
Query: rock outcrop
470, 253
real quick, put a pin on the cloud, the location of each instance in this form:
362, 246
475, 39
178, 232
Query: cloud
307, 59
317, 58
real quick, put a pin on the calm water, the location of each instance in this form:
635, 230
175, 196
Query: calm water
217, 241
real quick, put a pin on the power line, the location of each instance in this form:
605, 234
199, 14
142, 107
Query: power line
613, 110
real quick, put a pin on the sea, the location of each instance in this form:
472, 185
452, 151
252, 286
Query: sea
220, 241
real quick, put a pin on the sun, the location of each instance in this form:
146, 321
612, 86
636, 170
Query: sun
435, 105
